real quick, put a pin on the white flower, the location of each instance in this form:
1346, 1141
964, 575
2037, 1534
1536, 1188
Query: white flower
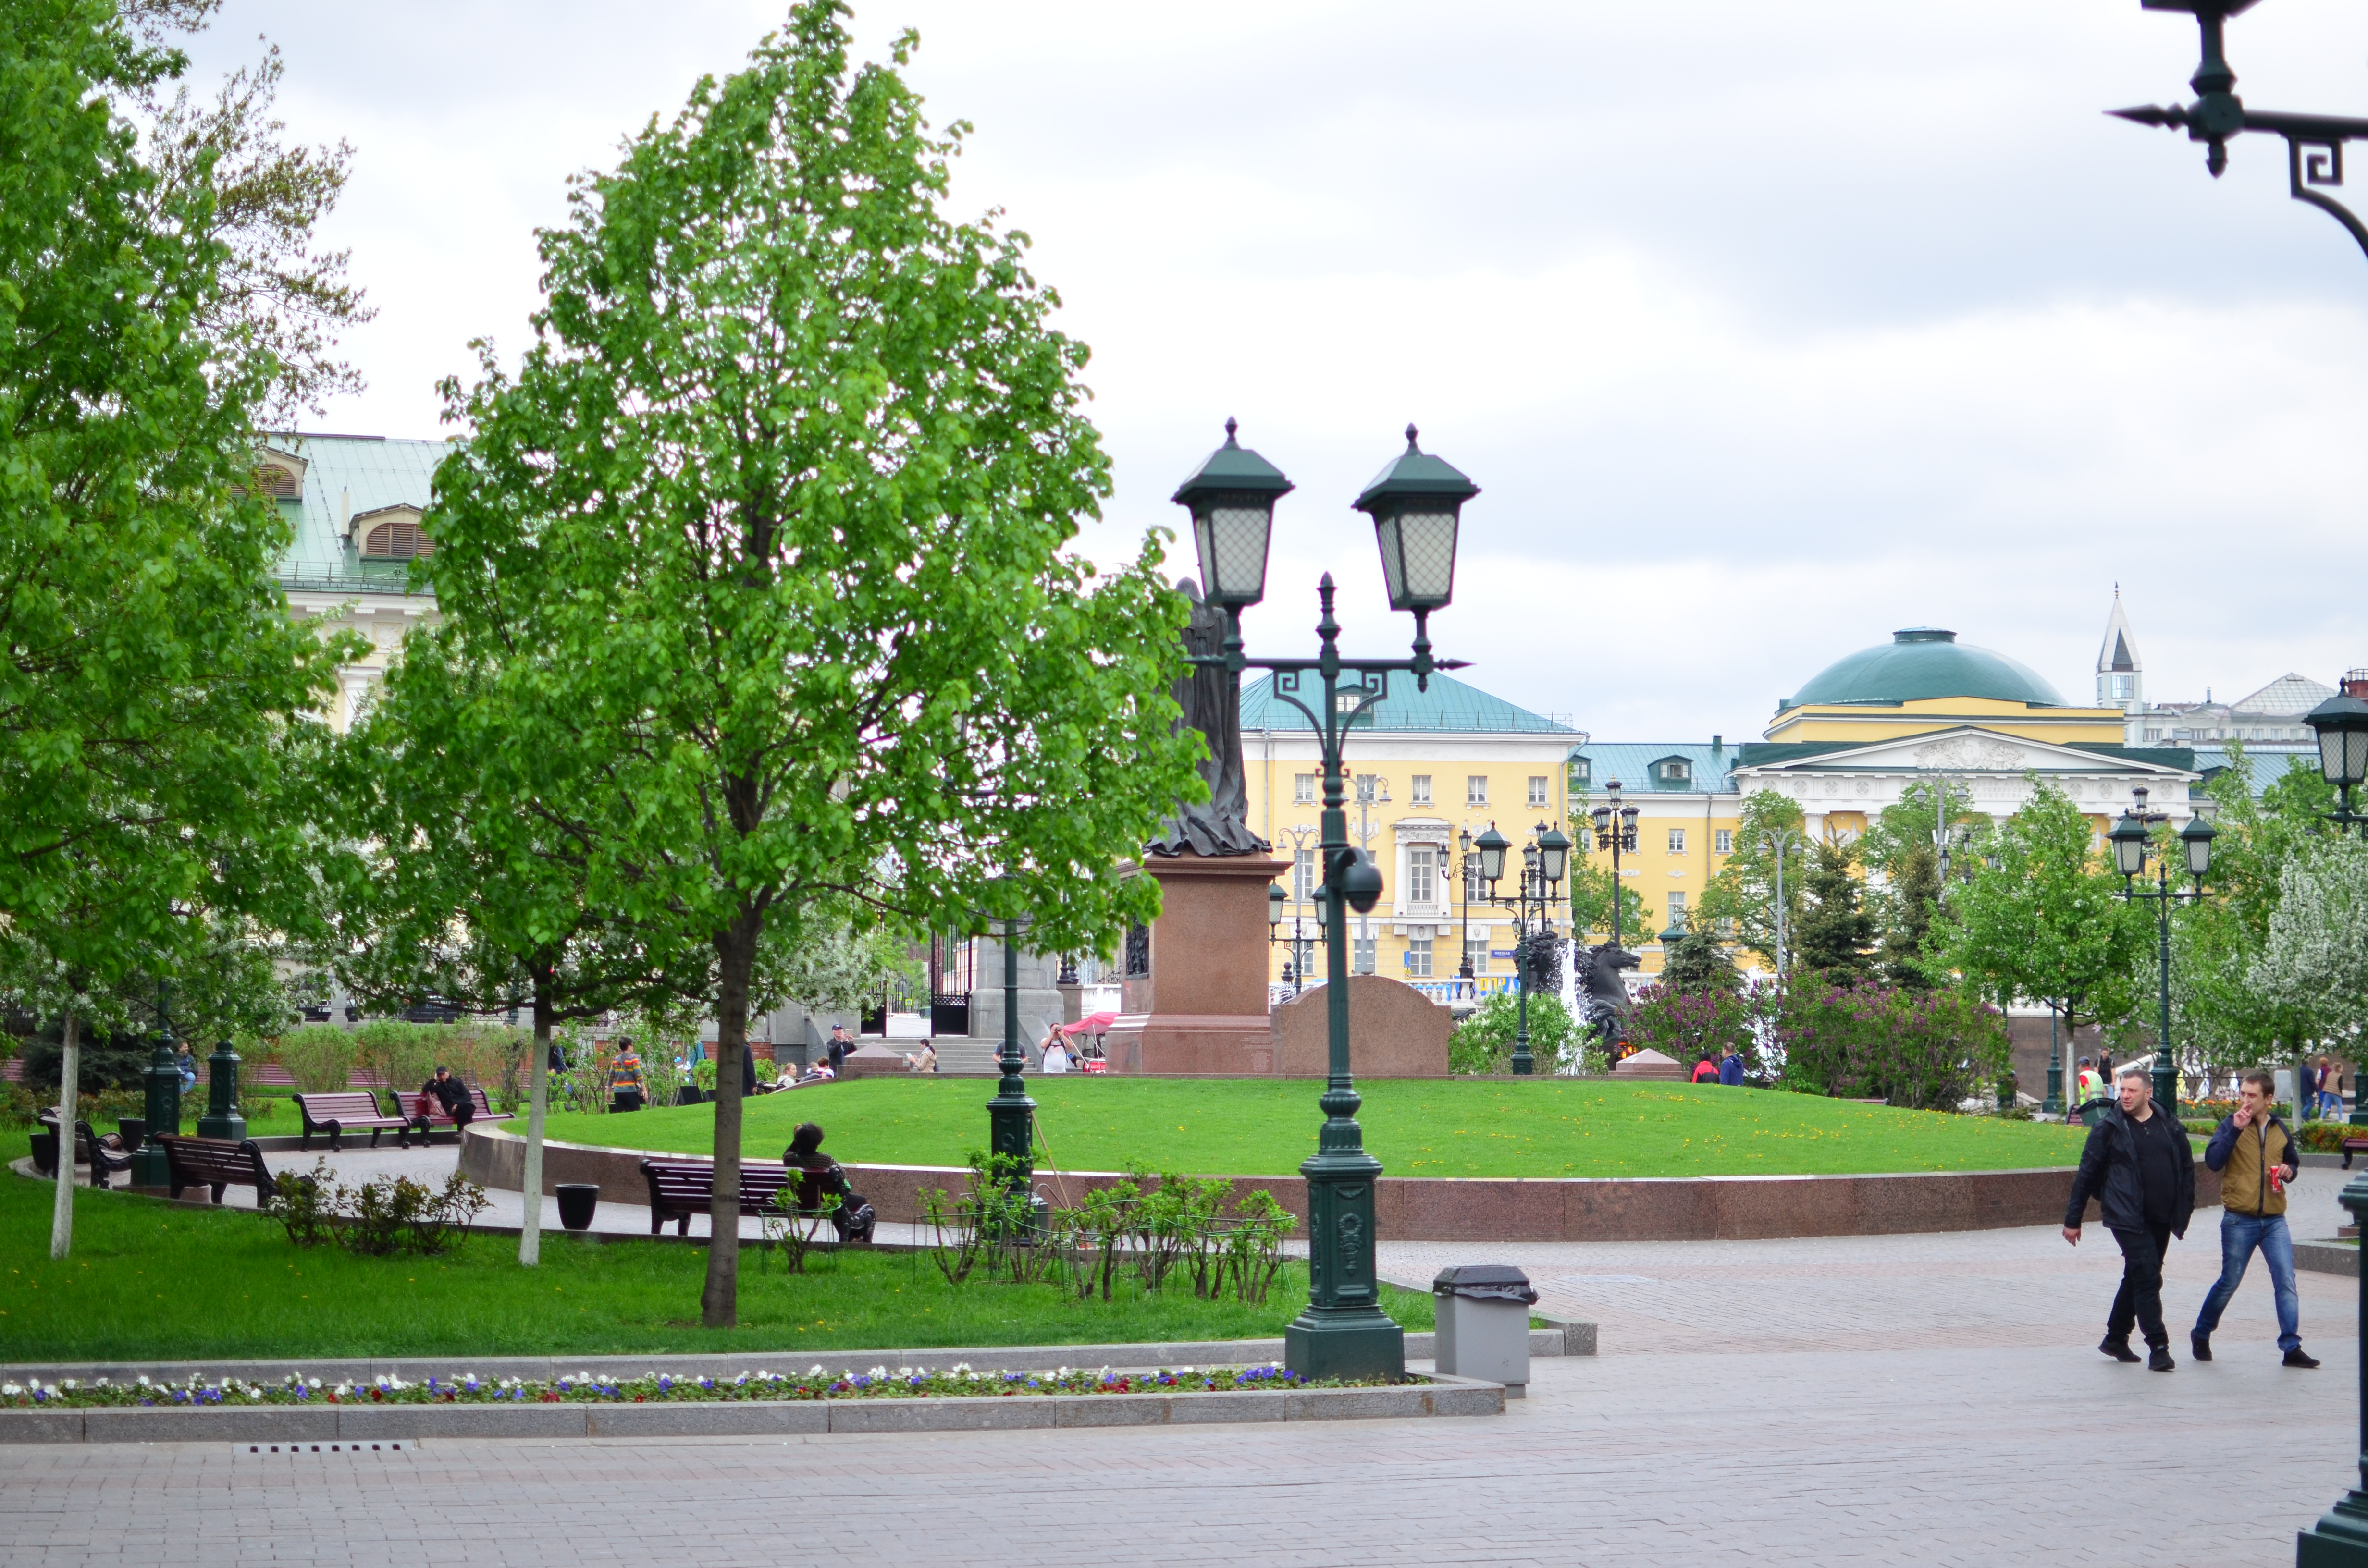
143, 1381
1062, 1373
10, 1390
382, 1381
255, 1393
815, 1373
582, 1376
73, 1384
314, 1384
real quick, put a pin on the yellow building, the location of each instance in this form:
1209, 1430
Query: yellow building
1426, 767
1687, 807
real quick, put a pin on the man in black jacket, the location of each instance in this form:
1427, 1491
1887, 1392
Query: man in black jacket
2141, 1169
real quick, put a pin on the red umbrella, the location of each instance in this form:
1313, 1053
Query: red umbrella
1092, 1023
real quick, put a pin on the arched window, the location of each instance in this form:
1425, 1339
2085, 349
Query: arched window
392, 533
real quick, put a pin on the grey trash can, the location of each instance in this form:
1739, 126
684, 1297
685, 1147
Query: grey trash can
1484, 1323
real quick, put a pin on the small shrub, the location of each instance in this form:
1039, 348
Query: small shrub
319, 1057
383, 1216
1484, 1042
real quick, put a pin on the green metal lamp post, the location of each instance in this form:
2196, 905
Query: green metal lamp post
1544, 863
1416, 504
1011, 1115
2133, 847
1615, 829
148, 1167
2341, 725
222, 1118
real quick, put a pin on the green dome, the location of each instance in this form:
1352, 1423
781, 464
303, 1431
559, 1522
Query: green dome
1920, 663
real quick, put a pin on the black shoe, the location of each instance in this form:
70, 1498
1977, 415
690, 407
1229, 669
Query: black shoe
2295, 1357
2202, 1344
2158, 1360
2119, 1349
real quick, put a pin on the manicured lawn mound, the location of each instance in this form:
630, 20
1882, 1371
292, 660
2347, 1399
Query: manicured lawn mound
148, 1281
1416, 1127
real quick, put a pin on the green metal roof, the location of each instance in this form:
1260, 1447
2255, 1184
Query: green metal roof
1920, 663
1449, 707
1759, 754
364, 472
1640, 767
2265, 767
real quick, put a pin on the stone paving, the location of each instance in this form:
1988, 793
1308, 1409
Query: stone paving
1879, 1400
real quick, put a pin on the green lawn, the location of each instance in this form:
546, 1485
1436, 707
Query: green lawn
1416, 1127
148, 1281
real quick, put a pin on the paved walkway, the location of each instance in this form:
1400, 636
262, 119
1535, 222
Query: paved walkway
1880, 1400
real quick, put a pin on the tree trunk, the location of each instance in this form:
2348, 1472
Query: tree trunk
537, 1101
736, 951
69, 1081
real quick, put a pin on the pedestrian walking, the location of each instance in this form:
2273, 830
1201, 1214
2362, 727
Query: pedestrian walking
2091, 1084
2138, 1166
2331, 1098
2256, 1158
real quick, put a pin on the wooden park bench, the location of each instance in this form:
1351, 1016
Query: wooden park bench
344, 1111
480, 1109
2354, 1146
90, 1150
679, 1189
218, 1164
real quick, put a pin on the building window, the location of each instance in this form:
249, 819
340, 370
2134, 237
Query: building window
1582, 771
1475, 951
1677, 907
1361, 954
1303, 876
1476, 790
1420, 788
1722, 841
1674, 771
1422, 887
1303, 789
1537, 789
1417, 957
393, 537
1677, 841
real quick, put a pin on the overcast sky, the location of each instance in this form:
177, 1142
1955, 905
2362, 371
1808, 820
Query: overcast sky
1765, 329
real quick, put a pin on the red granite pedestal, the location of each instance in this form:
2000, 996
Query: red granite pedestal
1201, 1008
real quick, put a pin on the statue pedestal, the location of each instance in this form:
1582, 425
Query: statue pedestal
1201, 1007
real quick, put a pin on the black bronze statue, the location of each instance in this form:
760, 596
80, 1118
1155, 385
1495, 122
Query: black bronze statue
1210, 696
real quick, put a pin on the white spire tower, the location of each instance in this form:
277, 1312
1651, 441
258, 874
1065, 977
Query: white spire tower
2121, 674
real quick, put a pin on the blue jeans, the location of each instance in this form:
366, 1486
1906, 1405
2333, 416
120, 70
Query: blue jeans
2239, 1234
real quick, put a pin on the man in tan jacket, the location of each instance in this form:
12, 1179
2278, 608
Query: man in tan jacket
2256, 1158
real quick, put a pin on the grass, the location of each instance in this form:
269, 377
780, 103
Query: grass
1416, 1127
148, 1281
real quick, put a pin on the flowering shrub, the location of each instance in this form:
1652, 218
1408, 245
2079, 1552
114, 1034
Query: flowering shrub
1688, 1026
585, 1388
385, 1214
1926, 1051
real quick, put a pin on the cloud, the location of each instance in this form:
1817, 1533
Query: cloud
1765, 331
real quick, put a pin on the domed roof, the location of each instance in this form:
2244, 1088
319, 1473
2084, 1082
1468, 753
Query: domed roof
1920, 663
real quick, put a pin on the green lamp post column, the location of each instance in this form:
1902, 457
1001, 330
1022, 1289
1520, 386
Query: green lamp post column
164, 1084
2340, 1539
222, 1118
1009, 1115
2133, 847
1416, 504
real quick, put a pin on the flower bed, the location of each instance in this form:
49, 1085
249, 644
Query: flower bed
880, 1382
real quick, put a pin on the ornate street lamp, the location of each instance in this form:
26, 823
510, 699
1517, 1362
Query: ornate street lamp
2341, 725
2133, 849
1781, 842
148, 1167
1544, 861
1416, 504
1615, 829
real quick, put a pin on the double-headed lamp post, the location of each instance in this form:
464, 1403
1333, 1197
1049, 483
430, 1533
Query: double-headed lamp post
1415, 503
1544, 861
1295, 967
1615, 829
2133, 849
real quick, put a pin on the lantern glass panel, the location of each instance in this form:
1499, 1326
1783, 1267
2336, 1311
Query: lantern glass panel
2355, 754
1493, 845
2197, 835
2129, 847
1274, 901
1229, 532
1555, 854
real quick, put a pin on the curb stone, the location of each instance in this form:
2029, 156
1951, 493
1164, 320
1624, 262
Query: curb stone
1435, 1395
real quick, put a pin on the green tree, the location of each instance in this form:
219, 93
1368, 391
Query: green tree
2315, 961
1699, 964
151, 687
2217, 943
779, 502
1590, 906
1835, 930
2041, 918
1484, 1041
1903, 875
1743, 892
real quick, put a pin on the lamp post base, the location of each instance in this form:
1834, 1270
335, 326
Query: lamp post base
2340, 1539
1348, 1344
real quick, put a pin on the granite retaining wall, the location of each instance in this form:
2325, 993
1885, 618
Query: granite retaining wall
1436, 1208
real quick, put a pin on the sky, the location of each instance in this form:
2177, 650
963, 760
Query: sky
1764, 330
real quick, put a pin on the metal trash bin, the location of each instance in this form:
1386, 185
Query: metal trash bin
1484, 1323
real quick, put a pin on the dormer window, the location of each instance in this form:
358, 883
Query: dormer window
1673, 770
277, 476
392, 533
1582, 770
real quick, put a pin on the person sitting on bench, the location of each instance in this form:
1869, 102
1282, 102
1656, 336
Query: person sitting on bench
822, 1177
447, 1093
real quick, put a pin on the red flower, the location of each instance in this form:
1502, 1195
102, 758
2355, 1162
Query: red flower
637, 1399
